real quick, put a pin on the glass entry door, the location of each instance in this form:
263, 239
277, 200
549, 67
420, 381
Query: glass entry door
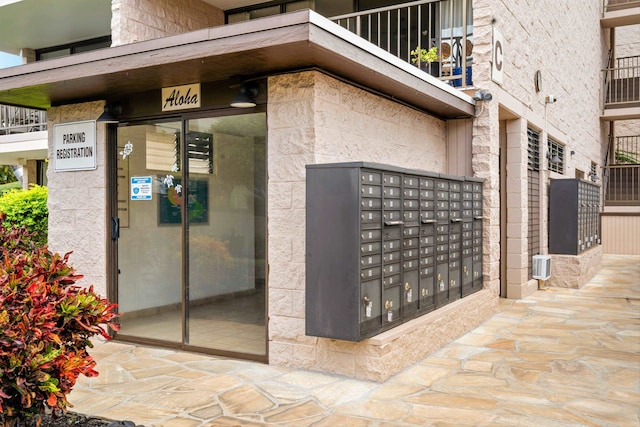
191, 245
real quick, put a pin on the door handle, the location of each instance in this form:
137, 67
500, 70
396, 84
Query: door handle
115, 228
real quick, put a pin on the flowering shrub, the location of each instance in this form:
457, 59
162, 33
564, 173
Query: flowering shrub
45, 325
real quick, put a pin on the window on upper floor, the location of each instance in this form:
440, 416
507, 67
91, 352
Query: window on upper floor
556, 156
73, 48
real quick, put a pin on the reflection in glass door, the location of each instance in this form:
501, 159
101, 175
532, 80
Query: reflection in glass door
226, 308
150, 243
191, 251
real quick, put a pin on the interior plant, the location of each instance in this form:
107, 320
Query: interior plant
421, 56
46, 322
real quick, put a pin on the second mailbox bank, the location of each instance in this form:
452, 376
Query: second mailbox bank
386, 244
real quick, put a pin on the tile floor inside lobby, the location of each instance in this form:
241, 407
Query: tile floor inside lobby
231, 324
561, 357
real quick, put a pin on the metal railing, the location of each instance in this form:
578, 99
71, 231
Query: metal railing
21, 120
627, 150
404, 30
622, 185
622, 82
611, 5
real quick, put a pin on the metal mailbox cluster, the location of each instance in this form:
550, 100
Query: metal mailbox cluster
574, 216
386, 244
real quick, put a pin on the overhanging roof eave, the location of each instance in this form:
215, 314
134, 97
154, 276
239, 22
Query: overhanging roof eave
262, 47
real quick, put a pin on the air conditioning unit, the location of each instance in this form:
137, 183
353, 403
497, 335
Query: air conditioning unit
541, 267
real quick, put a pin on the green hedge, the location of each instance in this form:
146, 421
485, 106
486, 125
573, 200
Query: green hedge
27, 208
9, 186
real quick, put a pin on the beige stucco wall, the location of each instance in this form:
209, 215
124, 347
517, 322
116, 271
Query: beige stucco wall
138, 20
627, 40
313, 118
78, 202
570, 58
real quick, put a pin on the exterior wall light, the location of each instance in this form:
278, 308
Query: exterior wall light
246, 96
554, 159
482, 95
110, 114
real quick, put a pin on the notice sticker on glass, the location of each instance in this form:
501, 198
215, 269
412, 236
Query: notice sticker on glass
141, 188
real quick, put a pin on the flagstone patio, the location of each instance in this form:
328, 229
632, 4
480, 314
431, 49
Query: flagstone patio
561, 357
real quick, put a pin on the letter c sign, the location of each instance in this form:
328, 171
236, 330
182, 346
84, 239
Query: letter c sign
497, 55
497, 59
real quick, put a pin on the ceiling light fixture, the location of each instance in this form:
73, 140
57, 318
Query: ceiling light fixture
110, 113
246, 96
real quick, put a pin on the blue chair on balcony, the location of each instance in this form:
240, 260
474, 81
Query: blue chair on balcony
457, 71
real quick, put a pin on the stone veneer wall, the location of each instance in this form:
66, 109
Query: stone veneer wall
138, 20
573, 271
313, 118
570, 57
78, 202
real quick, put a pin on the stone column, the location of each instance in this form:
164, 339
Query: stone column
78, 202
291, 146
486, 164
517, 210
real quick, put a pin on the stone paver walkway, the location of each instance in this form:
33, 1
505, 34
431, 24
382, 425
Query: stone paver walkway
562, 357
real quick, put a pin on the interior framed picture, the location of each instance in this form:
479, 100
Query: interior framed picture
172, 197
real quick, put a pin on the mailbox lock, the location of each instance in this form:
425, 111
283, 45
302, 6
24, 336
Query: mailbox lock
407, 287
464, 269
388, 305
452, 283
440, 282
367, 305
424, 292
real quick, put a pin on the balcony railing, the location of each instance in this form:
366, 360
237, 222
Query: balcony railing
21, 120
627, 150
410, 27
622, 185
622, 83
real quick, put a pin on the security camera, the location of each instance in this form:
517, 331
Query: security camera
482, 95
550, 99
